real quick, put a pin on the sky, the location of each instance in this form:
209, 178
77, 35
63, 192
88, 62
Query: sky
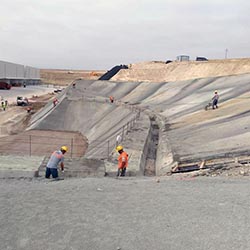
99, 34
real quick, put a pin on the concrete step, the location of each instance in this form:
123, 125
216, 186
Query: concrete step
78, 168
12, 166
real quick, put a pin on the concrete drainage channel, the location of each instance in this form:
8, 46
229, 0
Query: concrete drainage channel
149, 169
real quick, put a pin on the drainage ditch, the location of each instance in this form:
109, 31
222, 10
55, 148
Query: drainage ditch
149, 169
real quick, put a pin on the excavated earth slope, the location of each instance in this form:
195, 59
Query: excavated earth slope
177, 71
65, 77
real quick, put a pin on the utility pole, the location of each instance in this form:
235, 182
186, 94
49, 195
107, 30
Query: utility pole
226, 51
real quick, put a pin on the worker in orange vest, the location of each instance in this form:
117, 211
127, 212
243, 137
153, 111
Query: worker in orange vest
55, 102
122, 161
28, 109
111, 98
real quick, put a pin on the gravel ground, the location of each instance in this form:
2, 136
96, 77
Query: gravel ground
132, 213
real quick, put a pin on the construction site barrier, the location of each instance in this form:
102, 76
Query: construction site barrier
104, 148
33, 145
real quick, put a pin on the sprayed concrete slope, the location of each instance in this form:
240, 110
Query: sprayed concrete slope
86, 109
177, 71
85, 214
186, 131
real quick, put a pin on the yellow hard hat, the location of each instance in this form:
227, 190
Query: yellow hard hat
64, 148
118, 148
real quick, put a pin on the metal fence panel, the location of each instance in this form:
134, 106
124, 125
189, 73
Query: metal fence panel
33, 145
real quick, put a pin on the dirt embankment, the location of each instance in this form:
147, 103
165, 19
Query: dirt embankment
14, 138
65, 77
178, 71
15, 119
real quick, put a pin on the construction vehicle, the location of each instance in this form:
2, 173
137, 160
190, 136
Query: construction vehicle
22, 101
93, 73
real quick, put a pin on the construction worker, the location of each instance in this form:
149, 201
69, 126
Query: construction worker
55, 101
3, 105
215, 99
56, 158
122, 161
28, 109
111, 98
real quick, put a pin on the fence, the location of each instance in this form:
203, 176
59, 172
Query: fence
33, 145
103, 148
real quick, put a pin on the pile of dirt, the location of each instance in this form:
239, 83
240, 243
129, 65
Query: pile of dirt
65, 77
37, 102
178, 71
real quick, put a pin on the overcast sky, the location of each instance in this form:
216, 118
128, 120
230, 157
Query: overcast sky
99, 34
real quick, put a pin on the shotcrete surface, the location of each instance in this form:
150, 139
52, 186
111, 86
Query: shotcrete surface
140, 213
19, 166
191, 132
131, 213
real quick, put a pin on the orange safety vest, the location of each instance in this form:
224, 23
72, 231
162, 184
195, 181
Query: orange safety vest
123, 157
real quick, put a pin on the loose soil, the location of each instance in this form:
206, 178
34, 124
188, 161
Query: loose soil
65, 77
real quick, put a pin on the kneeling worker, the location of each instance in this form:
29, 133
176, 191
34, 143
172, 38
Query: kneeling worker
56, 158
122, 161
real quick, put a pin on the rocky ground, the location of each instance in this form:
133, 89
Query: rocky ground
228, 170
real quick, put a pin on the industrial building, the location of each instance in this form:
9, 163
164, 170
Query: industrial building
18, 74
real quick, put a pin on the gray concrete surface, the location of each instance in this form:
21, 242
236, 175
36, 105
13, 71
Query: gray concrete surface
84, 110
186, 131
19, 166
127, 214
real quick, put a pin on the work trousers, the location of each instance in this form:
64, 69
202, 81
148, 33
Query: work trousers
121, 171
215, 103
51, 171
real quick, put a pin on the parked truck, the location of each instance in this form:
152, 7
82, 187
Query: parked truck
5, 85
